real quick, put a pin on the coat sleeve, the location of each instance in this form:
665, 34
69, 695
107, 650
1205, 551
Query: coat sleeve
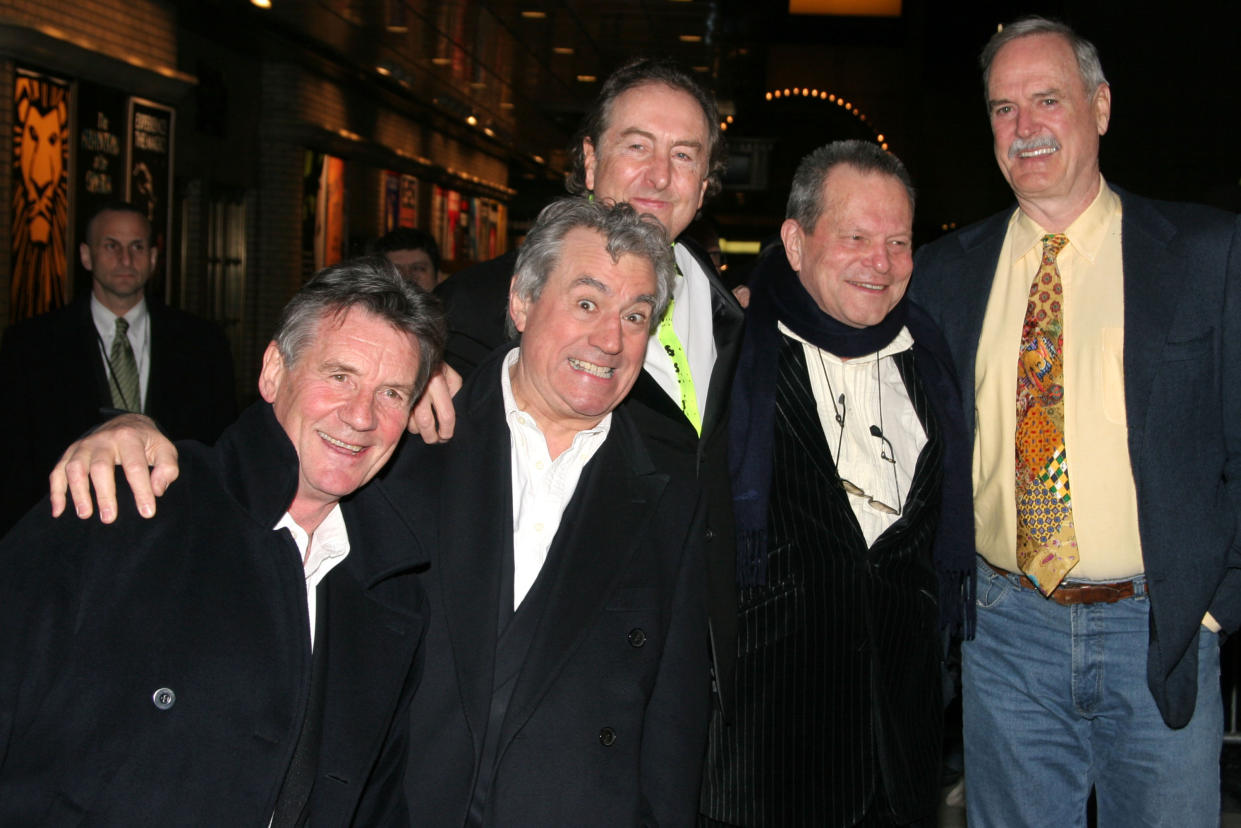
675, 725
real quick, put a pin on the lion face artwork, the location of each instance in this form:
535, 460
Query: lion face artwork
40, 204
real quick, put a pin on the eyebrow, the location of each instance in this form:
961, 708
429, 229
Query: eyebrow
679, 142
590, 281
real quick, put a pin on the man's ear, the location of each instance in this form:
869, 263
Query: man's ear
589, 161
272, 373
791, 235
517, 307
84, 255
1103, 107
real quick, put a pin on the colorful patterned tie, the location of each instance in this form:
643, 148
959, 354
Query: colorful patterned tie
125, 393
1046, 539
685, 380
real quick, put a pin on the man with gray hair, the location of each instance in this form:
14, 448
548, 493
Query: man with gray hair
566, 662
566, 675
1095, 333
848, 459
247, 656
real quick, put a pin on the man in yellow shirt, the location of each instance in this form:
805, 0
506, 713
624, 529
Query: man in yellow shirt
1092, 333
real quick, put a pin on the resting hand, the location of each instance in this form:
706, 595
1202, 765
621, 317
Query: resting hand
131, 441
434, 416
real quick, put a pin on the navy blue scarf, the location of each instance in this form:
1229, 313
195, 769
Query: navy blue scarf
777, 295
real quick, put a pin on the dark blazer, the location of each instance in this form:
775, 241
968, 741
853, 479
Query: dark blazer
476, 304
607, 718
58, 389
1182, 369
206, 600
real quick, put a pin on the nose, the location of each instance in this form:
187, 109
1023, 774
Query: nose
880, 258
607, 336
1027, 122
358, 412
659, 171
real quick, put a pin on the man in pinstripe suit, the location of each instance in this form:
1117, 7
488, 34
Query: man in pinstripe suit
849, 465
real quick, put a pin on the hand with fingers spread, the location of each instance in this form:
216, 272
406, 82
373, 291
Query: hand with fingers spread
130, 441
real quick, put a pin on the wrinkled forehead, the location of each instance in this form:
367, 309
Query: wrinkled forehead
638, 107
121, 225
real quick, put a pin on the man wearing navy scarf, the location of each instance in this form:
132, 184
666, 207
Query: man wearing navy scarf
850, 471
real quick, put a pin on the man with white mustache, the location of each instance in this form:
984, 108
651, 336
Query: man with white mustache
1095, 334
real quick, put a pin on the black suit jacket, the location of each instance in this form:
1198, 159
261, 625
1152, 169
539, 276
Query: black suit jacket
207, 601
607, 718
476, 303
58, 389
1182, 371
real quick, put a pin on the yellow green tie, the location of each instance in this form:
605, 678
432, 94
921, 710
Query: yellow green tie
685, 380
125, 391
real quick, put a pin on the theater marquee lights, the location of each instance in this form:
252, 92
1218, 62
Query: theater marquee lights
830, 98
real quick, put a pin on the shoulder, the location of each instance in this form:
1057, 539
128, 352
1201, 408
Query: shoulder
1198, 222
183, 324
46, 326
483, 278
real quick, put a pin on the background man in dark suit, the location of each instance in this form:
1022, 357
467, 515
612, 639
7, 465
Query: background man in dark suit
849, 462
62, 367
248, 653
1108, 456
652, 140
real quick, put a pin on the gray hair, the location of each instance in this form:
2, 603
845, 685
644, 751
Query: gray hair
1088, 65
372, 284
806, 197
625, 233
643, 72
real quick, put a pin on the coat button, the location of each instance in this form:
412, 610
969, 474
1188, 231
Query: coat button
709, 535
164, 698
637, 637
607, 737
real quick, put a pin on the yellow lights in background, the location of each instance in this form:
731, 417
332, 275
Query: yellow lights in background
586, 78
829, 97
471, 120
534, 14
562, 50
690, 38
740, 248
726, 123
262, 4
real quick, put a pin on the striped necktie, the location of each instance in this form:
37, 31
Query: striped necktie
124, 386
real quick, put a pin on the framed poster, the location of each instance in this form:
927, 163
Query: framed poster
149, 168
101, 174
40, 187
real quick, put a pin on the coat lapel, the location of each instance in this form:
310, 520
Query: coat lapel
618, 490
476, 537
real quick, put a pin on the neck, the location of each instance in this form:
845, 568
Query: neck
1056, 214
309, 515
118, 305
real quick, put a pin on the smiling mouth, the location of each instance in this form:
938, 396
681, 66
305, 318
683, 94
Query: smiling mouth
873, 288
591, 368
340, 443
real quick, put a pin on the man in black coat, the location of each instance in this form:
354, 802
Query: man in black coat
60, 366
248, 654
653, 141
849, 465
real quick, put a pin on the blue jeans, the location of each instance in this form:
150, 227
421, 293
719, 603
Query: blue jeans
1054, 701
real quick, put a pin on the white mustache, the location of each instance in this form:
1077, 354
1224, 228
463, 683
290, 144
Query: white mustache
1035, 143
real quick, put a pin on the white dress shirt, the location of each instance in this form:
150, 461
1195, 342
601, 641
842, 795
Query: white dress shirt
873, 393
139, 339
542, 487
328, 547
693, 324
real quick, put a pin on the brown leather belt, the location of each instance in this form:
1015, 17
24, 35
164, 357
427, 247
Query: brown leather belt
1068, 594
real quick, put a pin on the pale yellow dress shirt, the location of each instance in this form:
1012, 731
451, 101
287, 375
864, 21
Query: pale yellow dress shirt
1105, 510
